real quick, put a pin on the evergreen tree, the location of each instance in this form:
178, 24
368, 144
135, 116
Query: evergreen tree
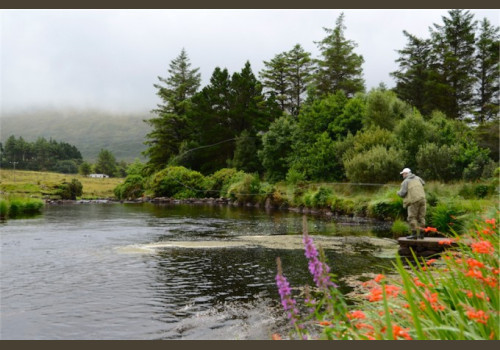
171, 125
339, 68
274, 79
412, 77
486, 99
299, 74
286, 77
454, 63
106, 163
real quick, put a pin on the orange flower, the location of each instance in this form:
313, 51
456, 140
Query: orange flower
392, 290
491, 222
418, 283
364, 325
483, 247
276, 336
496, 271
397, 331
325, 323
379, 278
445, 242
479, 316
375, 294
474, 273
431, 261
430, 229
356, 314
486, 232
474, 263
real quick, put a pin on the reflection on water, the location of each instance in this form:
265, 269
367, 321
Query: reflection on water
65, 277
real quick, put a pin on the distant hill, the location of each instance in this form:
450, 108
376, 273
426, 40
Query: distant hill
90, 131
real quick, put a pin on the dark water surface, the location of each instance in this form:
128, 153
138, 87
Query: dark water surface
68, 275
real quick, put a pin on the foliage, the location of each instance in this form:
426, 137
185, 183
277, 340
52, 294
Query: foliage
384, 109
388, 208
177, 182
106, 163
218, 183
247, 189
437, 162
85, 168
399, 228
66, 167
412, 132
339, 67
486, 99
131, 188
170, 127
70, 190
19, 207
446, 217
453, 298
377, 165
39, 155
276, 148
320, 161
245, 153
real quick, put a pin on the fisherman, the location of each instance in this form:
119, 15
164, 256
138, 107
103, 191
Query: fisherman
413, 194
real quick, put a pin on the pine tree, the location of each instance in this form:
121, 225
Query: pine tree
274, 79
412, 77
171, 126
454, 65
340, 68
299, 74
486, 99
286, 77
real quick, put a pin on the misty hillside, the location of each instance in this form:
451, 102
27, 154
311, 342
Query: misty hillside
89, 131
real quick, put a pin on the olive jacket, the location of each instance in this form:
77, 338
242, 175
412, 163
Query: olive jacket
412, 190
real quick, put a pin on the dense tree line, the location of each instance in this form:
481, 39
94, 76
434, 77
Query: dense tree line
312, 119
42, 154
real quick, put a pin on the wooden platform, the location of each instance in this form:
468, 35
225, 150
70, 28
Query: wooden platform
424, 247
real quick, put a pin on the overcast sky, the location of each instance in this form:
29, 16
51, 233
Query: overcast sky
110, 59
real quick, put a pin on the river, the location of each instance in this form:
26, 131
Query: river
144, 271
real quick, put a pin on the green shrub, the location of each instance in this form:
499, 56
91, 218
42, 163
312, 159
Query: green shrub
294, 176
70, 190
4, 208
246, 190
218, 183
377, 165
32, 206
399, 228
388, 206
446, 217
177, 182
322, 197
132, 187
16, 207
481, 191
344, 206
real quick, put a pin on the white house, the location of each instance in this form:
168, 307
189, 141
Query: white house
98, 175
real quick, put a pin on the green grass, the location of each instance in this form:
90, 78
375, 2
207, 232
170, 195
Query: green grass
43, 184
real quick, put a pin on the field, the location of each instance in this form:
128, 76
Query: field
36, 184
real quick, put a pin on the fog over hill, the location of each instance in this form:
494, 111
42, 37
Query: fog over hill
89, 130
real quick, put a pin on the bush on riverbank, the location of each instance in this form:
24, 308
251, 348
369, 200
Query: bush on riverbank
449, 206
453, 298
17, 207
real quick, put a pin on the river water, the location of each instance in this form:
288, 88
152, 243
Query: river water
143, 271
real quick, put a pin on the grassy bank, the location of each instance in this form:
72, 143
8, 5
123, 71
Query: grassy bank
38, 184
19, 207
